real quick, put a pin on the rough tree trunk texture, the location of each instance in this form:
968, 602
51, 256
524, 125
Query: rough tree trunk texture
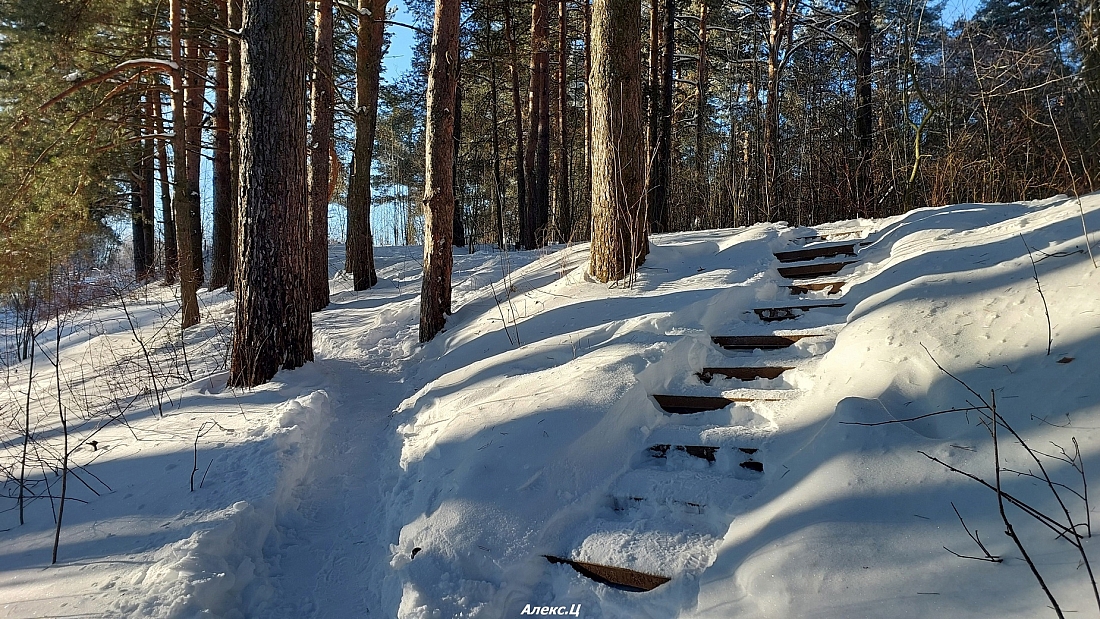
368, 67
587, 219
777, 35
864, 121
194, 73
619, 242
498, 179
137, 226
221, 248
234, 16
182, 194
320, 165
517, 108
148, 194
702, 110
171, 255
537, 159
662, 85
273, 323
563, 225
435, 294
459, 232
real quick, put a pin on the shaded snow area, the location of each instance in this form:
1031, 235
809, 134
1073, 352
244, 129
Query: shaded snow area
397, 479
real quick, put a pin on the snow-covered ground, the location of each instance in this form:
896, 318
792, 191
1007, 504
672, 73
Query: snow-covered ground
394, 479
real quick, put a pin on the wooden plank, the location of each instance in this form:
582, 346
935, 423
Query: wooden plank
762, 342
830, 251
770, 314
808, 287
814, 270
753, 373
690, 404
704, 452
753, 465
617, 577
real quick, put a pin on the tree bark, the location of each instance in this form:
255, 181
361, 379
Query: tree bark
498, 180
194, 73
563, 225
435, 295
517, 108
619, 242
321, 144
171, 252
864, 119
459, 233
221, 248
148, 191
234, 16
368, 67
537, 159
273, 322
182, 194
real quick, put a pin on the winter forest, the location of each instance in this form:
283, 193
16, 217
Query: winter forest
232, 235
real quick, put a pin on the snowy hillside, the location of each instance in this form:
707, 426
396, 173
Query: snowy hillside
640, 427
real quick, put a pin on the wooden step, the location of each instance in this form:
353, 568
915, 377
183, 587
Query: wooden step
761, 342
753, 465
708, 374
617, 577
771, 314
830, 251
705, 452
691, 404
814, 270
808, 287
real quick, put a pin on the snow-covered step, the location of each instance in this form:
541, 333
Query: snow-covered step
828, 287
612, 576
690, 404
743, 373
830, 236
703, 452
814, 269
739, 439
789, 312
817, 251
689, 491
759, 342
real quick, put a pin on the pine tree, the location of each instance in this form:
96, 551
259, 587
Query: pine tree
619, 241
435, 295
273, 321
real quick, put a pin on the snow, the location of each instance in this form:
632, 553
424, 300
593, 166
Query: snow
397, 479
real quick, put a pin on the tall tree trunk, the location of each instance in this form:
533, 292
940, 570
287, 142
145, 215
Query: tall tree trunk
148, 192
320, 168
864, 120
662, 85
619, 242
235, 70
137, 225
368, 67
777, 30
588, 118
171, 252
563, 225
273, 323
182, 195
221, 248
538, 134
498, 180
459, 233
435, 294
517, 108
702, 110
194, 67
